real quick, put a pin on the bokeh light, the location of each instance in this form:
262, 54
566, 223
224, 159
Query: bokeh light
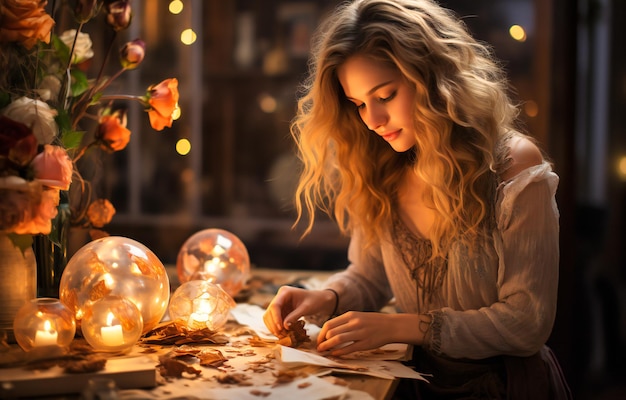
176, 6
518, 33
188, 36
183, 147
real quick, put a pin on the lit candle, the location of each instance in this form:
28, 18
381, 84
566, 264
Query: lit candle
196, 319
202, 309
47, 336
112, 335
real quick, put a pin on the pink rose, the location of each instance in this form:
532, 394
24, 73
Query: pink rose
132, 54
53, 167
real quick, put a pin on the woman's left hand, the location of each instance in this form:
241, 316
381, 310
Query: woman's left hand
356, 331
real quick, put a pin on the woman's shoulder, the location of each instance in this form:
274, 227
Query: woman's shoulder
521, 153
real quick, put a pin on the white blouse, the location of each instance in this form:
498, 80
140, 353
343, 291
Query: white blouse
499, 299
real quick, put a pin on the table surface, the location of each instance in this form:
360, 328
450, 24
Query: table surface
251, 368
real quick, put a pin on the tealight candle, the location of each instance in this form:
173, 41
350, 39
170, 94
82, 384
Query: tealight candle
201, 304
112, 335
47, 336
44, 324
196, 318
112, 324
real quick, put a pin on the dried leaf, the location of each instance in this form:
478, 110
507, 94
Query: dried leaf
175, 368
235, 379
144, 266
211, 358
186, 351
259, 393
98, 291
295, 336
256, 341
286, 376
175, 333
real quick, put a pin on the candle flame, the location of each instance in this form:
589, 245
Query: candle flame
110, 319
47, 326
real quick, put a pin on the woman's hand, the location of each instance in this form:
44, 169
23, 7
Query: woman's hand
290, 304
355, 331
358, 331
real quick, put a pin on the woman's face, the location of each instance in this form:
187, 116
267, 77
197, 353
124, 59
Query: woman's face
383, 97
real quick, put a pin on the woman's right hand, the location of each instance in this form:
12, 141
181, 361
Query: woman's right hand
290, 304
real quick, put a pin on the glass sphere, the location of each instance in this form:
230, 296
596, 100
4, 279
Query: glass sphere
217, 256
201, 304
112, 323
116, 266
44, 322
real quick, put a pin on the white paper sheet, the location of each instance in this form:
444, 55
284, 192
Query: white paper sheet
292, 358
382, 363
252, 316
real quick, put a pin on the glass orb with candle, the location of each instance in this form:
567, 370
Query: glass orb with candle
201, 304
44, 323
217, 256
112, 324
116, 266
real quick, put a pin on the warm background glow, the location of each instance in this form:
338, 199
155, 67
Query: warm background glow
621, 168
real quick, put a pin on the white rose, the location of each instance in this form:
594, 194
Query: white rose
35, 114
82, 48
49, 88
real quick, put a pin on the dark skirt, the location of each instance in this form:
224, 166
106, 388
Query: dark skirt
536, 377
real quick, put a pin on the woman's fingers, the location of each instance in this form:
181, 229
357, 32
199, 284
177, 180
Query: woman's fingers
353, 331
273, 316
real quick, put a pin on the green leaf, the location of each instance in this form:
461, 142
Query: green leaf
60, 223
63, 52
63, 120
72, 139
23, 242
96, 98
80, 83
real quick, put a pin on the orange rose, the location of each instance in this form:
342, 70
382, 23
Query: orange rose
163, 101
100, 212
25, 21
19, 200
112, 131
44, 213
25, 207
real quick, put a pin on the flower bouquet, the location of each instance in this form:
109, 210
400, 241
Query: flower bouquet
53, 113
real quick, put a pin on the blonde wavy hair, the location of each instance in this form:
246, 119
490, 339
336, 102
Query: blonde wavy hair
462, 110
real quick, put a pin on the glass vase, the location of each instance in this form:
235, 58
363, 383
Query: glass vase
51, 251
18, 283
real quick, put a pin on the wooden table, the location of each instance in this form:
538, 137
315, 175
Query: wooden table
255, 364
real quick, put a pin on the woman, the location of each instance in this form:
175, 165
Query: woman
409, 141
